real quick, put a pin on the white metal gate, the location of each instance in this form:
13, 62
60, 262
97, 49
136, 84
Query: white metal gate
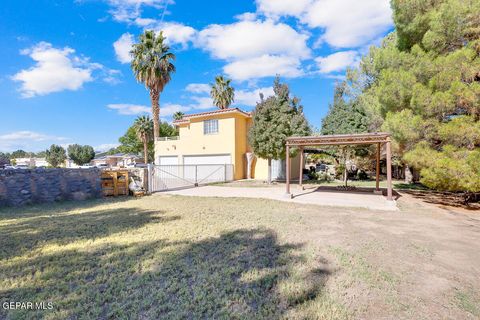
168, 177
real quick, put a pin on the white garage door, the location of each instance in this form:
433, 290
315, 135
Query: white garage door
208, 159
167, 161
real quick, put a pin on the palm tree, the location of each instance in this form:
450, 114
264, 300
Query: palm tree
178, 115
152, 65
222, 93
144, 126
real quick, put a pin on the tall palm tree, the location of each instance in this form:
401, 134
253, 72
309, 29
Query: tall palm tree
143, 127
152, 65
178, 115
222, 93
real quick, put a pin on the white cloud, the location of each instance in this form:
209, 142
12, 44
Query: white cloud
177, 33
130, 10
174, 32
28, 135
27, 140
202, 103
251, 97
105, 147
145, 22
248, 39
264, 66
111, 76
122, 47
349, 23
129, 109
55, 70
276, 8
247, 16
344, 23
168, 109
338, 61
198, 88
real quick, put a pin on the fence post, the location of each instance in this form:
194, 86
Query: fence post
196, 180
150, 178
225, 172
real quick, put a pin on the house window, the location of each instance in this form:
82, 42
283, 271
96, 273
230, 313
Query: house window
210, 126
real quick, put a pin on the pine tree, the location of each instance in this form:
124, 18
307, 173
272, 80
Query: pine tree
274, 119
56, 155
423, 85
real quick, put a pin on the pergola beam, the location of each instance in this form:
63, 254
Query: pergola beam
309, 144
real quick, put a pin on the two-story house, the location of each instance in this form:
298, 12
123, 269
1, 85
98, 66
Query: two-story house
217, 137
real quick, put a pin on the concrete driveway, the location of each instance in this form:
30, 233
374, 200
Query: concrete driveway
308, 196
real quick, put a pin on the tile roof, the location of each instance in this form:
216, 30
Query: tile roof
186, 118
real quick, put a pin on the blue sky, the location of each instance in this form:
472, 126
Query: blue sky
64, 65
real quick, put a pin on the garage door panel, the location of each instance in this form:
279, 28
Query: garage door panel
207, 159
167, 160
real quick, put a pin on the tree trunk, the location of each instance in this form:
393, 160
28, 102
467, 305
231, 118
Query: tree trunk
408, 174
269, 179
145, 150
345, 175
155, 99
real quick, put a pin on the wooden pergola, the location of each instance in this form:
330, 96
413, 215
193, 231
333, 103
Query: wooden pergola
377, 138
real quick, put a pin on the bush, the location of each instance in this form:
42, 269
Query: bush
362, 175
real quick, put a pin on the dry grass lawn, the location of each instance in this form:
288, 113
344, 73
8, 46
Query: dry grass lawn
174, 257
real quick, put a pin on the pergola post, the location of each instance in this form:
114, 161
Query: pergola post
389, 170
287, 169
300, 177
377, 185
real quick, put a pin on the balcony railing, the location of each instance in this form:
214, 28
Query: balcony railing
168, 138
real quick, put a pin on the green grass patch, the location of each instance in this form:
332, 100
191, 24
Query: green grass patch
161, 257
467, 302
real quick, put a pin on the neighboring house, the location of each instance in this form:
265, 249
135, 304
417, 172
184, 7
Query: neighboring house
117, 160
70, 164
30, 162
40, 162
217, 137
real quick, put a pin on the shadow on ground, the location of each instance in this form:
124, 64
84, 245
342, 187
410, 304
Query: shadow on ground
312, 188
448, 199
38, 226
242, 274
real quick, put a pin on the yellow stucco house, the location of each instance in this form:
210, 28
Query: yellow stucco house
217, 137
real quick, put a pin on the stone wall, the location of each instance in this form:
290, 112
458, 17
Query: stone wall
26, 186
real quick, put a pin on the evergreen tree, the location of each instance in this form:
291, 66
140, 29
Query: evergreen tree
18, 154
80, 154
275, 119
4, 158
344, 116
423, 86
56, 156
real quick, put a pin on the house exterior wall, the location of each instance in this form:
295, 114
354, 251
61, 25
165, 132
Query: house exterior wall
192, 141
261, 168
232, 139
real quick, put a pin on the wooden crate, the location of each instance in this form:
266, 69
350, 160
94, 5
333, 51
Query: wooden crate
115, 183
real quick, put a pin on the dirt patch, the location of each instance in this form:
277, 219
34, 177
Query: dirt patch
447, 200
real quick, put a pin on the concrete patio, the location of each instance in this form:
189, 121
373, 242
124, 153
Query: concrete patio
313, 195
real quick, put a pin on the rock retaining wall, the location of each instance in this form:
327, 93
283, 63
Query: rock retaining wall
27, 186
